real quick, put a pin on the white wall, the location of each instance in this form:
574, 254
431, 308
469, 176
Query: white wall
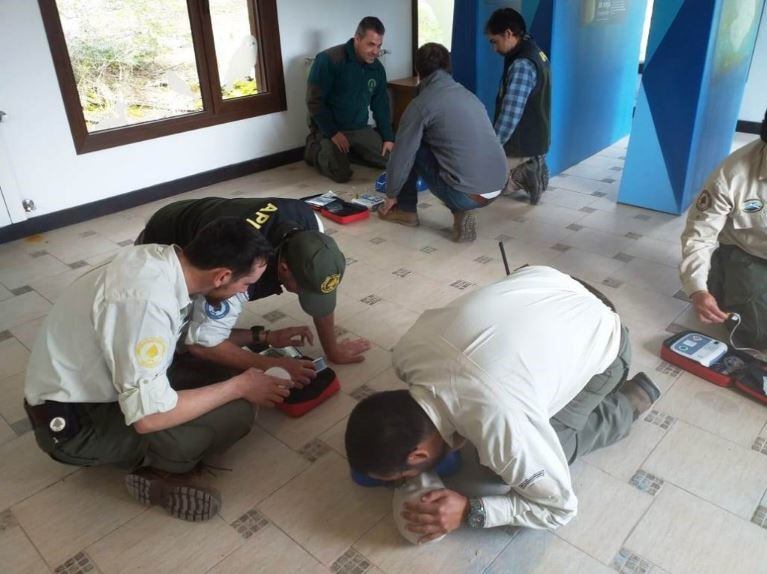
755, 95
39, 143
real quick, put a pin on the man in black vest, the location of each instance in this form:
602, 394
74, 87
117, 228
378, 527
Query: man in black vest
523, 105
306, 262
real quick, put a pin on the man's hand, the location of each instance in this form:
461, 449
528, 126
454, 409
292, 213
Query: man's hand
349, 351
290, 336
342, 143
707, 308
260, 389
301, 371
388, 203
387, 147
438, 512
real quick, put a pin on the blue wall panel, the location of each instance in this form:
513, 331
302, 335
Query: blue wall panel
695, 71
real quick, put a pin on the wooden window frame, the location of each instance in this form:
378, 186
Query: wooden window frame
263, 18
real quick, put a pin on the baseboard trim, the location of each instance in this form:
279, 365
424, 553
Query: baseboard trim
138, 197
748, 127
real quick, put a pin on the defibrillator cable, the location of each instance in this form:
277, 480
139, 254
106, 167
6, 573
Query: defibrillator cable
731, 324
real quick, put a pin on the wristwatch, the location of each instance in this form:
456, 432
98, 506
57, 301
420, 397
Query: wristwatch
476, 516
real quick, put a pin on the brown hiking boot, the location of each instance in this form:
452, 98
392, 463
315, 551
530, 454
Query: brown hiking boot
179, 494
464, 227
395, 215
641, 393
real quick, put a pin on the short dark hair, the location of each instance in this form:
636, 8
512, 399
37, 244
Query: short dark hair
229, 242
370, 23
431, 57
383, 430
764, 127
506, 19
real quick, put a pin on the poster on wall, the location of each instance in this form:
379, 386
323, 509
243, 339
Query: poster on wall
603, 11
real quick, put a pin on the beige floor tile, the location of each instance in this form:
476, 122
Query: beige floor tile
384, 323
566, 198
156, 542
52, 287
387, 381
646, 305
664, 252
625, 457
70, 515
649, 275
537, 552
17, 554
296, 432
323, 510
465, 550
41, 267
269, 551
334, 436
353, 375
718, 410
597, 242
417, 293
13, 357
4, 293
587, 266
554, 214
76, 248
362, 279
731, 476
22, 309
6, 432
259, 465
25, 469
598, 530
26, 333
682, 533
12, 398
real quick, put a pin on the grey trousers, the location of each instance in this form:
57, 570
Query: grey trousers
105, 439
365, 148
598, 416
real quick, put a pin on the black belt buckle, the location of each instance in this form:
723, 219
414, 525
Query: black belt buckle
63, 421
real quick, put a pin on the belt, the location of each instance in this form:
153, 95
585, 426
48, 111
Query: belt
482, 201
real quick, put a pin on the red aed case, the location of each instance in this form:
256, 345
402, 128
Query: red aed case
340, 211
320, 389
746, 378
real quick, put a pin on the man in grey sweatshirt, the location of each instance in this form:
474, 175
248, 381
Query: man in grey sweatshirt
445, 137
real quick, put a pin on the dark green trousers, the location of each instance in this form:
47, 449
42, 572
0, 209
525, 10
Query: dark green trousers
738, 281
105, 439
364, 148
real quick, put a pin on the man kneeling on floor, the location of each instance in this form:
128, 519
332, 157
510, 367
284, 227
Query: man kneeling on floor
446, 138
526, 375
100, 388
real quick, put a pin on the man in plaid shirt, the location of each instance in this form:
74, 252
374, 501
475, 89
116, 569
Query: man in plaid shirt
523, 105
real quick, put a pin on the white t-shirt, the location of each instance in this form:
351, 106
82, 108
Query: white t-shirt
495, 365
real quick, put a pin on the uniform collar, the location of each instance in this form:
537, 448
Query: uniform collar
351, 55
181, 290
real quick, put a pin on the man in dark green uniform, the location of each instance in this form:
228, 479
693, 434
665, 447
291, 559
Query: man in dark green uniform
344, 82
523, 106
306, 262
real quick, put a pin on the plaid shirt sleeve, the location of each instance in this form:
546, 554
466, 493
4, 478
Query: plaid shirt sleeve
522, 79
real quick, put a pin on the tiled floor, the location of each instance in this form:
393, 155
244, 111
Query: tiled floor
686, 492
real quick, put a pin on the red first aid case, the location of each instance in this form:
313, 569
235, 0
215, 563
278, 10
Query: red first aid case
734, 369
341, 211
301, 401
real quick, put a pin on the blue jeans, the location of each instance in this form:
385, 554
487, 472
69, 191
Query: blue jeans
426, 166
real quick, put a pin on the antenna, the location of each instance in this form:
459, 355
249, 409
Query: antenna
503, 256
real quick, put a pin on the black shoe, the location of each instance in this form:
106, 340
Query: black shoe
641, 392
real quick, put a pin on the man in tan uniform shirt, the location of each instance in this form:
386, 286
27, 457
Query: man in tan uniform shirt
724, 246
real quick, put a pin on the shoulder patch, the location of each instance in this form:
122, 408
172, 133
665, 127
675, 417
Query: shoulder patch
752, 205
704, 200
330, 283
150, 352
218, 312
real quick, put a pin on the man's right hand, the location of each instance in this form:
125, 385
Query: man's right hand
301, 371
342, 143
260, 389
707, 308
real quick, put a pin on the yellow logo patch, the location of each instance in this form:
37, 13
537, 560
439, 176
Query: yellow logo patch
150, 352
330, 283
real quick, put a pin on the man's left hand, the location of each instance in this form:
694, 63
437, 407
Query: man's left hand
349, 351
438, 512
387, 147
290, 336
